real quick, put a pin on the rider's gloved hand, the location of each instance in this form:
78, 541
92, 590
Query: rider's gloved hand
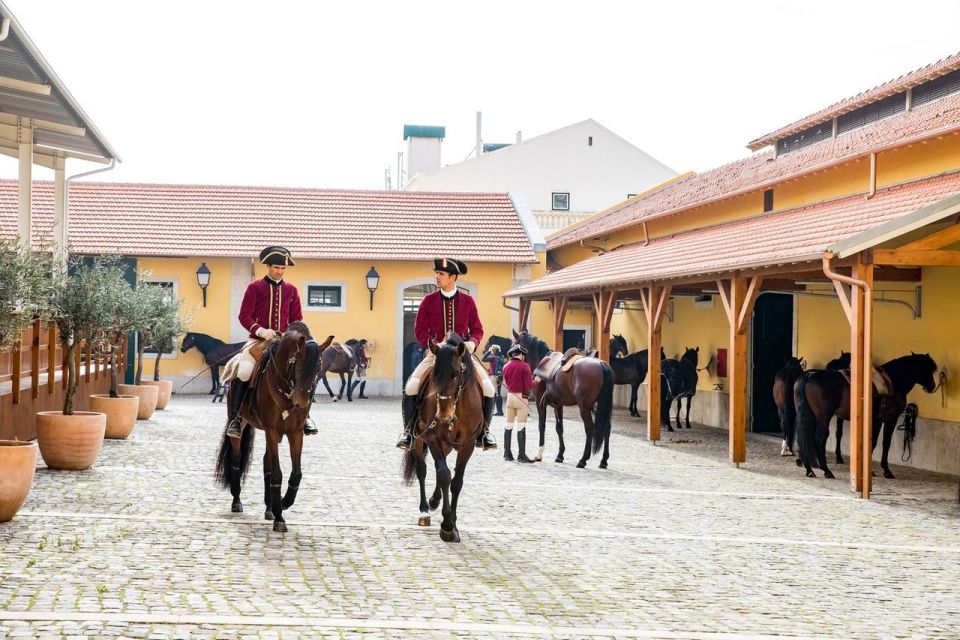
470, 345
266, 334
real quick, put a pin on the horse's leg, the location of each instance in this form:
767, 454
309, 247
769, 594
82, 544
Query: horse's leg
349, 385
425, 507
295, 442
326, 385
633, 399
889, 426
839, 438
235, 474
214, 379
342, 385
687, 416
606, 451
276, 481
820, 440
542, 425
456, 486
444, 477
558, 412
665, 403
586, 414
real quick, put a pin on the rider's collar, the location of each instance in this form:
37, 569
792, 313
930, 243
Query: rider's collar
272, 281
446, 294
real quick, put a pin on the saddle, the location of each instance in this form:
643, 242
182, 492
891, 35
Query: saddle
556, 361
882, 383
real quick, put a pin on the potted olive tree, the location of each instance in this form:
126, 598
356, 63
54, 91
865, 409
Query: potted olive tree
79, 305
24, 283
148, 302
167, 327
121, 410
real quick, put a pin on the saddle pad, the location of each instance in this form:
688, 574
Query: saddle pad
546, 369
881, 381
572, 361
348, 350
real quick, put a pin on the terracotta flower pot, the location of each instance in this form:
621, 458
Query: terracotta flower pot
166, 389
70, 442
17, 462
121, 413
148, 398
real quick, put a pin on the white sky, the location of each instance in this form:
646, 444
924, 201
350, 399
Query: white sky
316, 93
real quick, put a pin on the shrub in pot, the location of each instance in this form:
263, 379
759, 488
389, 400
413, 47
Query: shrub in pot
168, 325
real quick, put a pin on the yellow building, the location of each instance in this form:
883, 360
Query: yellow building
336, 238
857, 201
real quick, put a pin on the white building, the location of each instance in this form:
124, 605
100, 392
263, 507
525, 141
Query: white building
563, 176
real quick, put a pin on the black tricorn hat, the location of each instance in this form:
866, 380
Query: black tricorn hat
516, 350
450, 265
276, 255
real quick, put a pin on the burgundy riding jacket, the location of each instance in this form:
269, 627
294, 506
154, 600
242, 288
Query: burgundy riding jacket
518, 377
269, 304
438, 315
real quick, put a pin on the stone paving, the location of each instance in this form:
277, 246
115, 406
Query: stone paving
671, 542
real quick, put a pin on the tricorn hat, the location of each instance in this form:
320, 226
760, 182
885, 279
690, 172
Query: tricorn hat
516, 350
450, 265
276, 256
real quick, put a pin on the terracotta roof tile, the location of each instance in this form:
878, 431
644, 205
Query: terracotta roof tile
201, 220
787, 237
764, 170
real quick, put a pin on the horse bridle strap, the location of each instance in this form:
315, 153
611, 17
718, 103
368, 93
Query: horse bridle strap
456, 399
288, 381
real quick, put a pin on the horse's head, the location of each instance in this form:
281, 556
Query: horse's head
794, 365
296, 358
923, 368
691, 355
448, 377
838, 364
188, 342
618, 346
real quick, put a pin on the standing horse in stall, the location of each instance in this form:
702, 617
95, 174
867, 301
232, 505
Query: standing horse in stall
839, 364
587, 384
450, 415
679, 381
277, 403
783, 381
630, 368
821, 394
215, 353
342, 359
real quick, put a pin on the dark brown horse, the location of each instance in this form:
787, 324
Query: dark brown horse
628, 368
341, 360
588, 384
277, 403
821, 394
678, 380
783, 381
450, 417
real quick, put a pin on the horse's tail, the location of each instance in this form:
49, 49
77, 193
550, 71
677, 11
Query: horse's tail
806, 423
222, 474
409, 465
601, 425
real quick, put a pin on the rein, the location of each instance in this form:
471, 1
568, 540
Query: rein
205, 370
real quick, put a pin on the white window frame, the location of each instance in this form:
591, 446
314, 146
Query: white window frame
341, 284
553, 200
176, 296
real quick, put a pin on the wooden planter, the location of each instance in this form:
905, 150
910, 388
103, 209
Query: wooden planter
148, 398
121, 413
70, 442
166, 389
18, 460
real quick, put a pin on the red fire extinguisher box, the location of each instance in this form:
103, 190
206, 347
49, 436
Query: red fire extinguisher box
722, 363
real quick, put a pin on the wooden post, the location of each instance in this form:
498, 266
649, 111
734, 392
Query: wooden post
559, 313
35, 359
89, 357
603, 302
863, 270
524, 314
654, 301
51, 356
852, 300
15, 367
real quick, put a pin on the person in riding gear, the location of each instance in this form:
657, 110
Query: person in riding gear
363, 361
494, 361
520, 381
447, 309
269, 306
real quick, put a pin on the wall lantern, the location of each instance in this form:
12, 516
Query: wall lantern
373, 281
203, 279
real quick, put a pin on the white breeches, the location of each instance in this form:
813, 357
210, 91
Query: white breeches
413, 382
245, 361
517, 410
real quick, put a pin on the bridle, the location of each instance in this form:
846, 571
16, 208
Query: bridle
277, 378
456, 398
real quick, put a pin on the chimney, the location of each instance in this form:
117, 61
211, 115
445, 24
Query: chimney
519, 137
423, 148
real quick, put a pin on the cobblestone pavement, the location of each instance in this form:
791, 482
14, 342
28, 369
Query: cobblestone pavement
671, 542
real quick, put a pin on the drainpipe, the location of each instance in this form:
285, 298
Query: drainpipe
4, 29
872, 191
66, 203
646, 236
593, 247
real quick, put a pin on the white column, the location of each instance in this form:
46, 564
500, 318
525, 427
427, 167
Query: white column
61, 214
25, 184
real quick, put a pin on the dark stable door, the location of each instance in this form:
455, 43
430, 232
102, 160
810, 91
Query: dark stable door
574, 338
772, 342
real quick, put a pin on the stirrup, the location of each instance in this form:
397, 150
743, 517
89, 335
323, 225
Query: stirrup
234, 430
405, 441
310, 429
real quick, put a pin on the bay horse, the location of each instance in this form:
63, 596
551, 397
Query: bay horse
629, 368
588, 385
277, 403
450, 416
783, 381
839, 364
821, 394
215, 353
340, 360
679, 381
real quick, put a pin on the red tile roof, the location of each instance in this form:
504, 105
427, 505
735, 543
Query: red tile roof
763, 170
906, 81
783, 238
203, 220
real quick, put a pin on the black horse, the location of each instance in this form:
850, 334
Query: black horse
679, 381
215, 352
783, 381
820, 394
628, 368
839, 364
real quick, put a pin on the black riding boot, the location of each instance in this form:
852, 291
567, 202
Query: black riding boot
499, 403
522, 446
507, 434
409, 412
309, 428
234, 429
363, 385
484, 440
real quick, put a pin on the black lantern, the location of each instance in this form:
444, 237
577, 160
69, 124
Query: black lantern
373, 281
203, 279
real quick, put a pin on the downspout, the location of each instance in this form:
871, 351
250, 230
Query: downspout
872, 191
646, 236
593, 247
4, 28
66, 198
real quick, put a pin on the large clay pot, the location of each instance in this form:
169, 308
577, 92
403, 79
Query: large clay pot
166, 389
121, 413
148, 398
17, 462
70, 442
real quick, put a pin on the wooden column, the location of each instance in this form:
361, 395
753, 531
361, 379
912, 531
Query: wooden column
51, 356
654, 301
524, 315
559, 313
35, 359
863, 270
15, 370
738, 296
603, 302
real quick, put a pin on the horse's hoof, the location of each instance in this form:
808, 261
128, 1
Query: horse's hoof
268, 514
280, 527
603, 464
424, 520
669, 428
582, 464
887, 474
828, 474
840, 460
335, 399
558, 459
236, 507
449, 536
799, 462
811, 474
537, 459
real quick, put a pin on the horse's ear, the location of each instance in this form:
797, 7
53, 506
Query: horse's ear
433, 346
460, 349
697, 349
912, 353
516, 336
